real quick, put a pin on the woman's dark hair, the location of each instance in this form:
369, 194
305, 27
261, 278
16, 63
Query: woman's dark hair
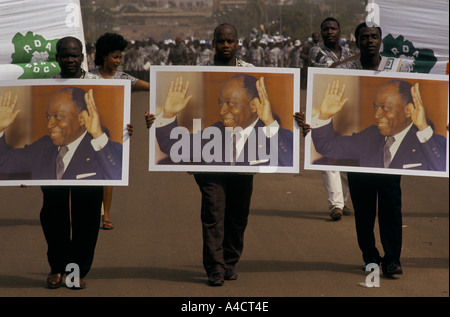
108, 43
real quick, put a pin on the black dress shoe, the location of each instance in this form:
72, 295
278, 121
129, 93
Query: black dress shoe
230, 274
392, 269
55, 280
216, 279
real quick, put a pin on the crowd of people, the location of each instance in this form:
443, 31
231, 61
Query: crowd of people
259, 50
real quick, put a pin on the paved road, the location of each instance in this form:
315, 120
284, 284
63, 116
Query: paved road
292, 249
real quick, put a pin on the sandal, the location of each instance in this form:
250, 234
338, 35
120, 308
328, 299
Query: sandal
107, 225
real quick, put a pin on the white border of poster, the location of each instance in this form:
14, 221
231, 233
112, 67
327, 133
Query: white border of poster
160, 77
351, 118
29, 126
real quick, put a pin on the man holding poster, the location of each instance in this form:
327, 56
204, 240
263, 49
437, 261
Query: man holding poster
399, 113
225, 196
243, 107
332, 53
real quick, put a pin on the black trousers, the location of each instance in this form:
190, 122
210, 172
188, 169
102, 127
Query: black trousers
366, 190
224, 214
70, 219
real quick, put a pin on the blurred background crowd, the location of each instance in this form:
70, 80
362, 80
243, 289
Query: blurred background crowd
262, 50
272, 33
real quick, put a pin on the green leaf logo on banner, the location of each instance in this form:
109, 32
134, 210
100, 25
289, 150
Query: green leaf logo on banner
423, 59
35, 55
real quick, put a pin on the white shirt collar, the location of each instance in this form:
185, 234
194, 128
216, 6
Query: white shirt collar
398, 140
72, 148
243, 136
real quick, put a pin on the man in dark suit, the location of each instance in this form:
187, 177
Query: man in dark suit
226, 197
90, 153
395, 109
246, 114
400, 116
70, 215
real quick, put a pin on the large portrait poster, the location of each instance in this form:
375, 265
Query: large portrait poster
64, 132
407, 26
224, 119
355, 114
29, 32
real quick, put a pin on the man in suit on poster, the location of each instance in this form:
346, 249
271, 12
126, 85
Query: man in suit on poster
73, 124
399, 114
70, 215
246, 113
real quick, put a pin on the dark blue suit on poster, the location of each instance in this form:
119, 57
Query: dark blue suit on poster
285, 145
39, 158
367, 147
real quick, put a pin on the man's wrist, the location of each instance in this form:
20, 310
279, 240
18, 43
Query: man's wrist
425, 134
316, 122
168, 115
99, 142
271, 129
161, 121
269, 121
323, 116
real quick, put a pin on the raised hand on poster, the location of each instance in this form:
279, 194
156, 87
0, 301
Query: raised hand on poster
417, 110
91, 117
8, 112
332, 101
263, 107
176, 99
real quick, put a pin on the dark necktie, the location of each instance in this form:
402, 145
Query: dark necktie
59, 161
233, 160
386, 152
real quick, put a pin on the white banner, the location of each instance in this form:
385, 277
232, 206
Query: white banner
29, 30
417, 30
